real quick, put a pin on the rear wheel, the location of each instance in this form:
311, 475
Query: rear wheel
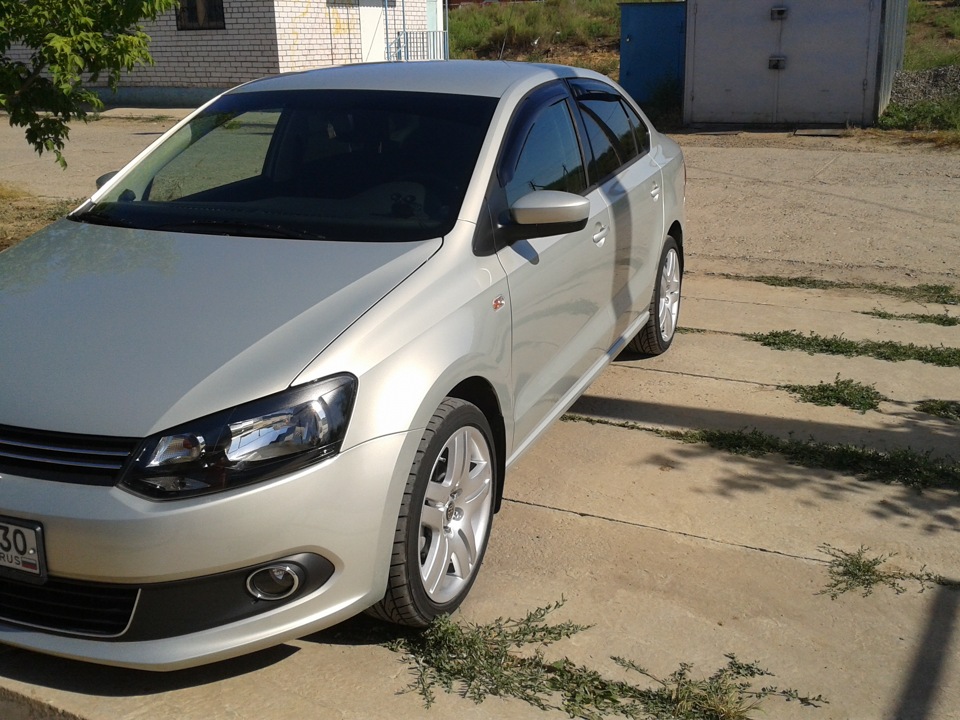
657, 335
445, 518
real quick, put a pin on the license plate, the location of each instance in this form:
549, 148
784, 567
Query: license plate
21, 549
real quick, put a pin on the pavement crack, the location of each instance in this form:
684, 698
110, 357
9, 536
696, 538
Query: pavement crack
699, 376
656, 528
755, 303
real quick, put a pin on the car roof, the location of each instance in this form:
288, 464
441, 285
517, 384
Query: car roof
491, 78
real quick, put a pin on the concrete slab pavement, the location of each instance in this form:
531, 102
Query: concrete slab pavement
721, 380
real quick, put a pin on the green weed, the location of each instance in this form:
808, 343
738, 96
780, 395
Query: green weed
926, 115
925, 293
507, 659
905, 467
848, 393
943, 319
946, 409
856, 571
836, 345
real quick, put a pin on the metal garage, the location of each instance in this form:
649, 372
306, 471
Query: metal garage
795, 61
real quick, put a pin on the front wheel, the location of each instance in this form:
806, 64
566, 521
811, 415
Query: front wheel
657, 335
445, 518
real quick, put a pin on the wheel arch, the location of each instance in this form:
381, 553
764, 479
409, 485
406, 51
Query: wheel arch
676, 232
478, 391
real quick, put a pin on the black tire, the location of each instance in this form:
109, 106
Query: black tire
445, 518
657, 335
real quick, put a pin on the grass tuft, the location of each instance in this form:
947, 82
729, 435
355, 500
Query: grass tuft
836, 345
506, 659
924, 293
848, 393
946, 409
856, 571
926, 115
904, 467
943, 319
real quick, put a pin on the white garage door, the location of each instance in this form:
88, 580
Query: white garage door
795, 61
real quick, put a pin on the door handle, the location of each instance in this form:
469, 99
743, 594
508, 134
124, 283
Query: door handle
655, 191
600, 235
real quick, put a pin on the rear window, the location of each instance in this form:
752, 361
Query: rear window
333, 165
611, 125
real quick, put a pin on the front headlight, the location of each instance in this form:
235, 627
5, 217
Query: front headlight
246, 444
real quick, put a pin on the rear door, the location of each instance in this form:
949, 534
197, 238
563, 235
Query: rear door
630, 182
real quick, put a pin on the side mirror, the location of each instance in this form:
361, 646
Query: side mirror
546, 212
550, 207
105, 178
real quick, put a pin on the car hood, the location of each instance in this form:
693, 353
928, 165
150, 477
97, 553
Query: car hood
112, 331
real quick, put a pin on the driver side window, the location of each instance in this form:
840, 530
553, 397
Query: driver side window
549, 158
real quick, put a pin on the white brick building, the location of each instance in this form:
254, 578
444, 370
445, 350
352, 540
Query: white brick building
210, 45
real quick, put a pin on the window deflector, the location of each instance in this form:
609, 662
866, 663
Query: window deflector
521, 125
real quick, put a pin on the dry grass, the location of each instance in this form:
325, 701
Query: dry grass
602, 57
934, 139
22, 214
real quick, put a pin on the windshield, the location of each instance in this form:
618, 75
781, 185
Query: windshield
315, 164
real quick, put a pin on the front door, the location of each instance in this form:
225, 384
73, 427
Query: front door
559, 285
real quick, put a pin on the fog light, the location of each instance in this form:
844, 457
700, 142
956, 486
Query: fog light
274, 582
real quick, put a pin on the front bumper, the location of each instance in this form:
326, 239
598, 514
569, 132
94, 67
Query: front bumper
185, 561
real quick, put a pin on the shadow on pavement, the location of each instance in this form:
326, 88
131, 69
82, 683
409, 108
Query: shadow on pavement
100, 680
930, 511
915, 430
919, 694
357, 631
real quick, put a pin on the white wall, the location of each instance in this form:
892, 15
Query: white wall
244, 50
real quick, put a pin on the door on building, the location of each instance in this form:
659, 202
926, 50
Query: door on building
770, 61
373, 33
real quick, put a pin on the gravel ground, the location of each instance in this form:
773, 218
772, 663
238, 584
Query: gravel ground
914, 86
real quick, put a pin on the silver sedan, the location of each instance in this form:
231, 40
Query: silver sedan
273, 373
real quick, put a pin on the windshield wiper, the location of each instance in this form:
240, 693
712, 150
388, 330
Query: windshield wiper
94, 218
243, 229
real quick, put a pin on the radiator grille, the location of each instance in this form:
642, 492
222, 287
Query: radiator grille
86, 459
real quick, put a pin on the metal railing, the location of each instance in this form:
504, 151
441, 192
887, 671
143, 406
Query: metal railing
419, 45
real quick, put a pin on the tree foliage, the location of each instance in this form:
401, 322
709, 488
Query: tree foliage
70, 44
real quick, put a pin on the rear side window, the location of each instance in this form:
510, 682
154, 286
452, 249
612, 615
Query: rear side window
548, 157
610, 131
640, 129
